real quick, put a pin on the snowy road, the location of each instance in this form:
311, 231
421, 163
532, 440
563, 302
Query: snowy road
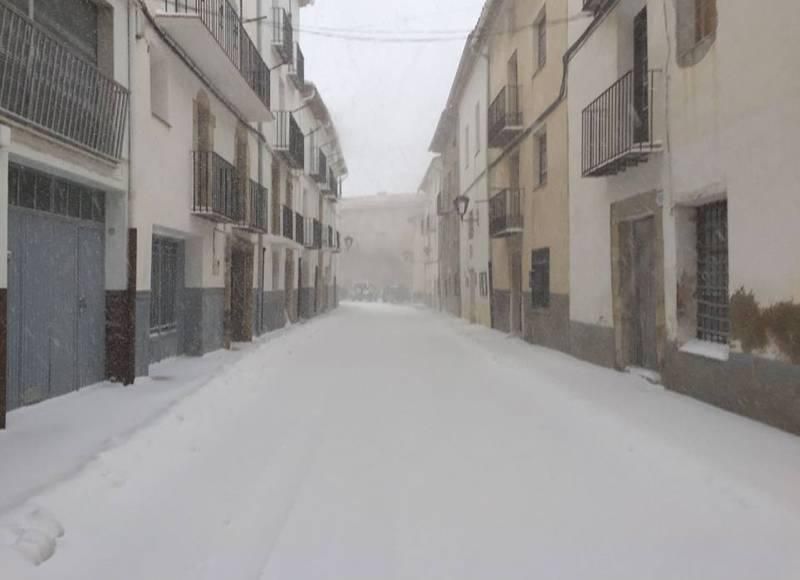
379, 443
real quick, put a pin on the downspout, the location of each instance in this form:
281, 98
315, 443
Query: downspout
261, 248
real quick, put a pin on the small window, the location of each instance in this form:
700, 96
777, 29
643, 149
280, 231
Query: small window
696, 26
466, 146
541, 146
713, 323
477, 128
540, 278
159, 86
540, 33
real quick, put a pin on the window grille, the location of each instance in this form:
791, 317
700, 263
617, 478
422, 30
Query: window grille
164, 286
713, 323
540, 278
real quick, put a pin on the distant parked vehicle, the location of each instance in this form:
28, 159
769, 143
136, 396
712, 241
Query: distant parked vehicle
364, 292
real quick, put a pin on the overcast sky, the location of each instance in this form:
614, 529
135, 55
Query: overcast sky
385, 97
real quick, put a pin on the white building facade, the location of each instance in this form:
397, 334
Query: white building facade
682, 183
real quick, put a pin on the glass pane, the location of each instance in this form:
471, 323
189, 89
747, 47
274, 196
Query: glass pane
44, 192
86, 204
99, 207
74, 203
13, 184
61, 198
27, 189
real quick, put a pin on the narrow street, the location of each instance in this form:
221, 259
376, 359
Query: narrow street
384, 443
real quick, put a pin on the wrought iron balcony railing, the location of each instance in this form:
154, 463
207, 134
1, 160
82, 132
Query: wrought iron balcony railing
222, 20
254, 210
216, 195
288, 223
45, 85
505, 214
289, 140
505, 116
617, 127
283, 35
297, 69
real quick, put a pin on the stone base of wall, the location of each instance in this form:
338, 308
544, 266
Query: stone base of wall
548, 327
121, 336
501, 310
762, 389
204, 311
307, 303
593, 343
274, 310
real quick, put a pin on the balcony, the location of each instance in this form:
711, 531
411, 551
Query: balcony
213, 36
505, 117
282, 35
313, 234
595, 6
288, 223
215, 188
297, 69
253, 215
319, 168
45, 85
617, 127
332, 188
289, 140
505, 214
299, 228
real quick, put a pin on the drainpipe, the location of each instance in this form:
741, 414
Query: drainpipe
260, 266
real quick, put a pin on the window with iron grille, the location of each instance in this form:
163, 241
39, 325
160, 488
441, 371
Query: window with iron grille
540, 278
541, 40
164, 286
713, 322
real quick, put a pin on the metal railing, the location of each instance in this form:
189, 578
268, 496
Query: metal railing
215, 187
223, 21
617, 127
299, 228
504, 113
254, 210
288, 223
297, 69
505, 213
46, 85
289, 139
283, 34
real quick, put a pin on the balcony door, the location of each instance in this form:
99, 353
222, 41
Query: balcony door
512, 91
641, 85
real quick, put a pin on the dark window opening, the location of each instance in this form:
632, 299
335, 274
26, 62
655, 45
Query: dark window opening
713, 323
33, 189
540, 278
164, 285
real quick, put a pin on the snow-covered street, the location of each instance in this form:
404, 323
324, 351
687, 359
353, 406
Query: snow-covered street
383, 443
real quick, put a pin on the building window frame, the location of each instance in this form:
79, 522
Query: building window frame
541, 158
540, 40
712, 291
540, 278
696, 22
164, 285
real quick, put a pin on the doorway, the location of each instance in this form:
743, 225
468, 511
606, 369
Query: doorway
241, 292
516, 294
639, 279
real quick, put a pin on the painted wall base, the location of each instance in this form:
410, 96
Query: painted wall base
548, 327
593, 343
274, 310
501, 310
204, 311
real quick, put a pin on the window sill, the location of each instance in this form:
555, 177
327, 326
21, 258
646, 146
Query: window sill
705, 349
161, 120
540, 185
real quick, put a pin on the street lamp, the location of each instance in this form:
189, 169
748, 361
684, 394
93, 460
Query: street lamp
461, 204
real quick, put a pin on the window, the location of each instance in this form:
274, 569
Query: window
541, 146
540, 39
36, 190
466, 145
540, 278
159, 86
73, 22
484, 284
713, 323
696, 27
164, 285
477, 128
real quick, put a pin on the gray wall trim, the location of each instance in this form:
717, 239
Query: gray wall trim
548, 327
593, 343
142, 333
501, 308
274, 310
204, 311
